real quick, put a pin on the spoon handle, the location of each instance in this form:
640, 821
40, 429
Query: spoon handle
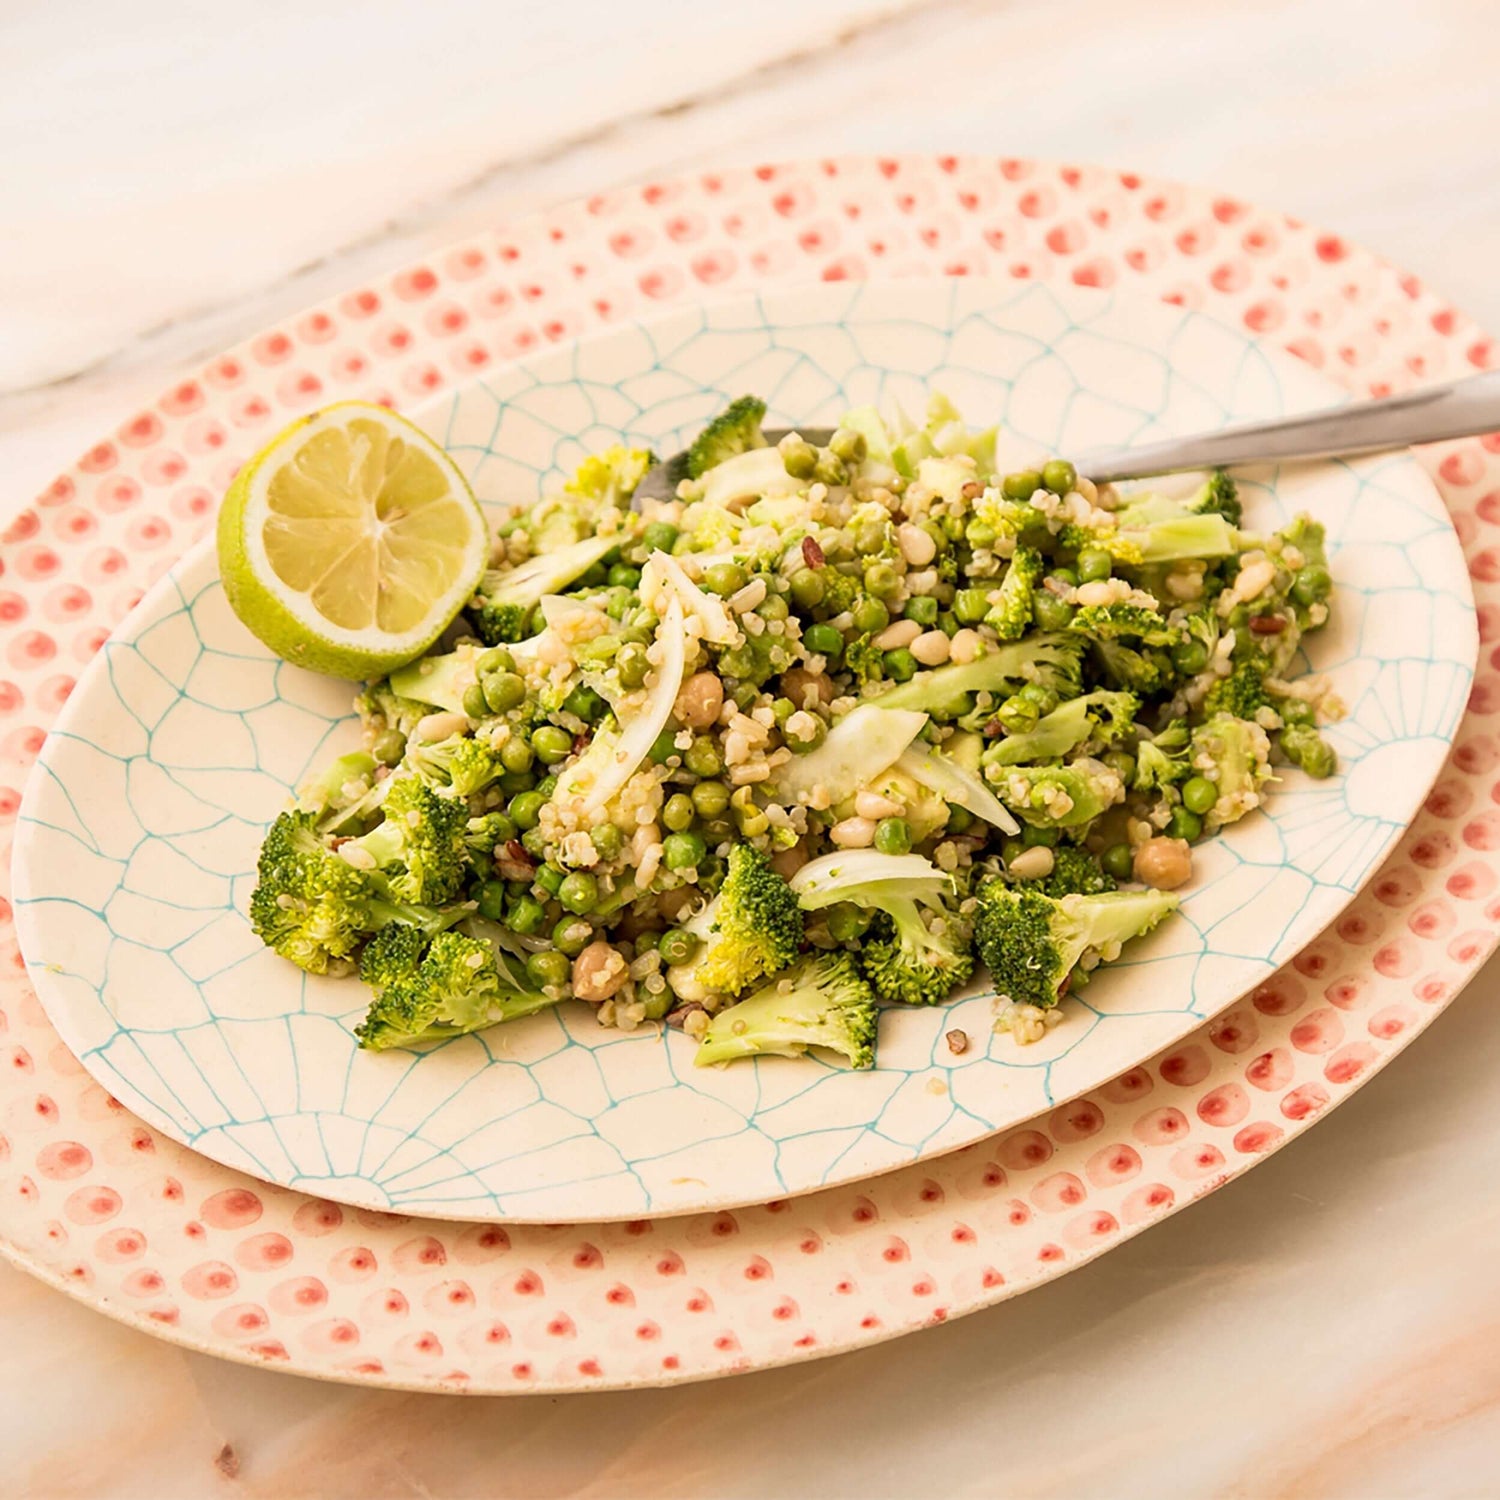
1461, 408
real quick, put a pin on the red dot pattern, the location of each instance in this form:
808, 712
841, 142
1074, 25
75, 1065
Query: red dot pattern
92, 1201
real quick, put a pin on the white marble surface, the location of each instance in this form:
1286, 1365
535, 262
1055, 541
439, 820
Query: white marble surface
178, 175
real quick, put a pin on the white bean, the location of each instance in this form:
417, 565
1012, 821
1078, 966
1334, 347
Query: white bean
964, 647
893, 637
931, 648
434, 727
917, 547
1032, 864
853, 833
875, 807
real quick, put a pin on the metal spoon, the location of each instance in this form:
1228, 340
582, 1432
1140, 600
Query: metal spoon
1460, 408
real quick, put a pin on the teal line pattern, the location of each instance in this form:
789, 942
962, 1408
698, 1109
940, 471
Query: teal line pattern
140, 830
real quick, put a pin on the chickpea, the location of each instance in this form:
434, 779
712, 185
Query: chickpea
1163, 863
671, 904
799, 682
786, 862
699, 700
598, 972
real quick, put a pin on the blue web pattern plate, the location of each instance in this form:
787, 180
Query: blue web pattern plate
140, 829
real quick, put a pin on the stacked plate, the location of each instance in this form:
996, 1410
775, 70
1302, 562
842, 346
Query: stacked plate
194, 1141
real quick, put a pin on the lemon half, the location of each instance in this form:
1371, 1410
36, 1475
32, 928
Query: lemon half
350, 541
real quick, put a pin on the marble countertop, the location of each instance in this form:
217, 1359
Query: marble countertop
176, 177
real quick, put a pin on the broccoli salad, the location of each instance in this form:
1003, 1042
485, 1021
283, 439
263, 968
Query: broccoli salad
820, 734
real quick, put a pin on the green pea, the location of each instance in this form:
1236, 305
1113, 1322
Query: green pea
971, 605
1045, 698
824, 640
534, 842
623, 576
847, 922
677, 947
725, 579
1021, 485
608, 840
660, 536
869, 536
525, 809
702, 757
960, 819
893, 836
1190, 657
849, 445
664, 747
1185, 825
526, 915
773, 607
1017, 715
807, 588
579, 892
882, 580
1094, 565
547, 785
492, 900
586, 703
503, 690
709, 798
807, 737
900, 664
496, 659
474, 702
1039, 838
1312, 584
551, 743
1050, 612
781, 710
390, 745
745, 695
979, 534
632, 665
678, 813
548, 970
1118, 861
647, 942
1199, 794
923, 608
870, 615
516, 754
550, 878
831, 469
1297, 711
682, 851
1011, 849
1059, 476
619, 603
572, 935
1122, 763
1066, 576
798, 457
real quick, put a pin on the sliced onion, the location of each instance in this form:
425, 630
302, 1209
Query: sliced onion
715, 623
956, 785
865, 742
867, 878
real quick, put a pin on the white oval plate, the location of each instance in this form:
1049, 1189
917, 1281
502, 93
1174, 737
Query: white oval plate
141, 825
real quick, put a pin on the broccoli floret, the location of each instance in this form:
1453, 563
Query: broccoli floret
467, 765
1305, 747
338, 786
392, 955
1218, 495
1235, 755
840, 591
486, 833
735, 430
1058, 796
1010, 614
1053, 661
1103, 717
1172, 538
459, 986
918, 954
1032, 942
1242, 693
610, 478
418, 847
1162, 760
314, 908
502, 604
1112, 622
1075, 872
751, 928
501, 624
865, 661
381, 707
823, 1002
1136, 671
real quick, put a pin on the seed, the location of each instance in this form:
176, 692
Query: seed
812, 553
958, 1042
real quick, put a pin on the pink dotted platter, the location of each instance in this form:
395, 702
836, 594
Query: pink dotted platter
93, 1201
